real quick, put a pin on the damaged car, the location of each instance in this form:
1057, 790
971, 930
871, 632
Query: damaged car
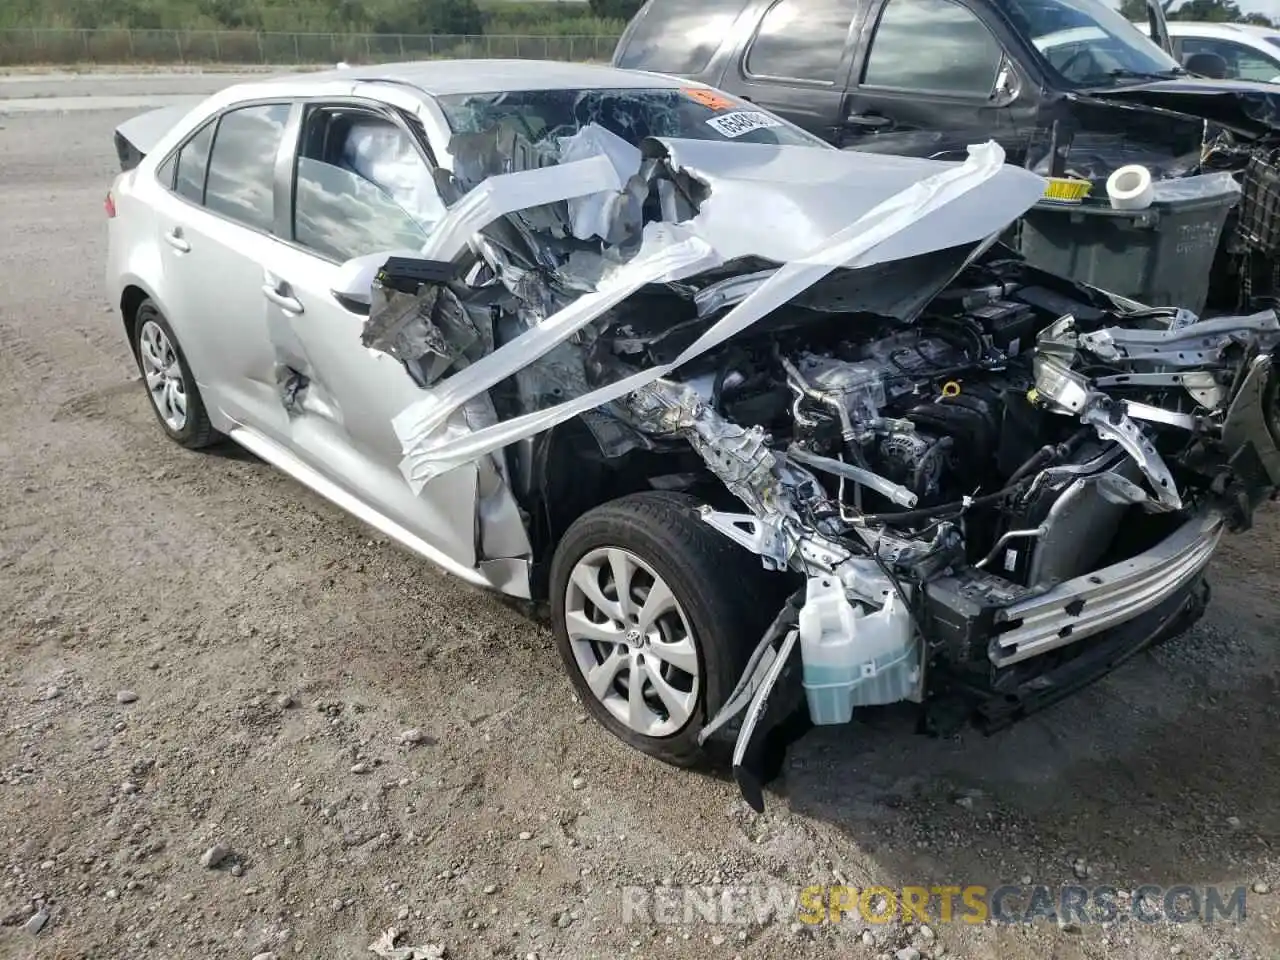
776, 431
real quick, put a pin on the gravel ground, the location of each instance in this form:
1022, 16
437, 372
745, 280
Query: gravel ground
197, 652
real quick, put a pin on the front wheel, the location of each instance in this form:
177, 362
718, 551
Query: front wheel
655, 614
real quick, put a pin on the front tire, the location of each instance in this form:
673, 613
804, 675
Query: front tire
643, 590
175, 398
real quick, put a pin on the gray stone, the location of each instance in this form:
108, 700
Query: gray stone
214, 856
126, 696
908, 953
37, 922
1261, 887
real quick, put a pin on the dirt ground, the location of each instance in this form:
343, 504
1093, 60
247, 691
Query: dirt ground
278, 650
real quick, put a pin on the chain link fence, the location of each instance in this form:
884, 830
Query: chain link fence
57, 46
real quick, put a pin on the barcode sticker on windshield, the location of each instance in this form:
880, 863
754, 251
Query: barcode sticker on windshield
742, 123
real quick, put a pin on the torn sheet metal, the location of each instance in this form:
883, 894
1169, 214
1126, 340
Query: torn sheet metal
668, 252
503, 195
947, 205
429, 331
604, 215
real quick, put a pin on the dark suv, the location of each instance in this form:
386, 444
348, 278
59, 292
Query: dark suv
926, 77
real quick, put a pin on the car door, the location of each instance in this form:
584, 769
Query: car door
215, 223
797, 62
929, 65
360, 187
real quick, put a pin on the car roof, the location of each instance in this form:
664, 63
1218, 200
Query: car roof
445, 77
1197, 28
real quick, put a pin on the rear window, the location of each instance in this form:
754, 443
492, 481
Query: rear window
633, 115
802, 41
677, 36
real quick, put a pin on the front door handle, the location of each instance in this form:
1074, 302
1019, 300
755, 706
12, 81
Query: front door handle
175, 239
869, 121
278, 292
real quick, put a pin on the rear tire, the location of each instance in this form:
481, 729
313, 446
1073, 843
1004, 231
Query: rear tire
688, 650
175, 398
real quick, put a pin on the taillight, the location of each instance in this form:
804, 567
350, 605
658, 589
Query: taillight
109, 205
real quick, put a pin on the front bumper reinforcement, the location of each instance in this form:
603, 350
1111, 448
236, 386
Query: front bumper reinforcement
1098, 601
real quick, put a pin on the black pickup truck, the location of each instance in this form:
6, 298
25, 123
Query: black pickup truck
926, 77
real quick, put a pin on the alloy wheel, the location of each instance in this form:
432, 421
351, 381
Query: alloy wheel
632, 641
163, 374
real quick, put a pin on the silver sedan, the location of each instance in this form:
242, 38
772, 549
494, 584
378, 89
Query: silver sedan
778, 431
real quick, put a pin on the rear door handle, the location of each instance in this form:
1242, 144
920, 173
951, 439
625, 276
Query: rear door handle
870, 121
175, 239
279, 293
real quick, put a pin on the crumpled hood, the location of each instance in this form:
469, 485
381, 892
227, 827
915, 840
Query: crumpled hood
781, 203
1242, 105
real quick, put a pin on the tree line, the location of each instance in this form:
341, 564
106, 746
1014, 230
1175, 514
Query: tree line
596, 17
1203, 11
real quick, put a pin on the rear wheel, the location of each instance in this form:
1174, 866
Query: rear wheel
175, 398
655, 614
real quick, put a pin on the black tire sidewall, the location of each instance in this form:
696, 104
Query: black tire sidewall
197, 431
711, 578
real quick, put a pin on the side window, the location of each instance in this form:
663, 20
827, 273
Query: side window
192, 162
166, 171
242, 164
800, 40
932, 45
361, 186
678, 36
1242, 62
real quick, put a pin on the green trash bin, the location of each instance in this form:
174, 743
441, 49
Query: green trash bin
1161, 256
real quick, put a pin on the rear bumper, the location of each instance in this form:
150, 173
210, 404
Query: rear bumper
1106, 598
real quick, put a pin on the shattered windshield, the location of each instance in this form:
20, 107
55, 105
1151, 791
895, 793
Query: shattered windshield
633, 115
1089, 44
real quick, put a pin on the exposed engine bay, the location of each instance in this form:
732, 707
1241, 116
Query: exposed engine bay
988, 484
968, 474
